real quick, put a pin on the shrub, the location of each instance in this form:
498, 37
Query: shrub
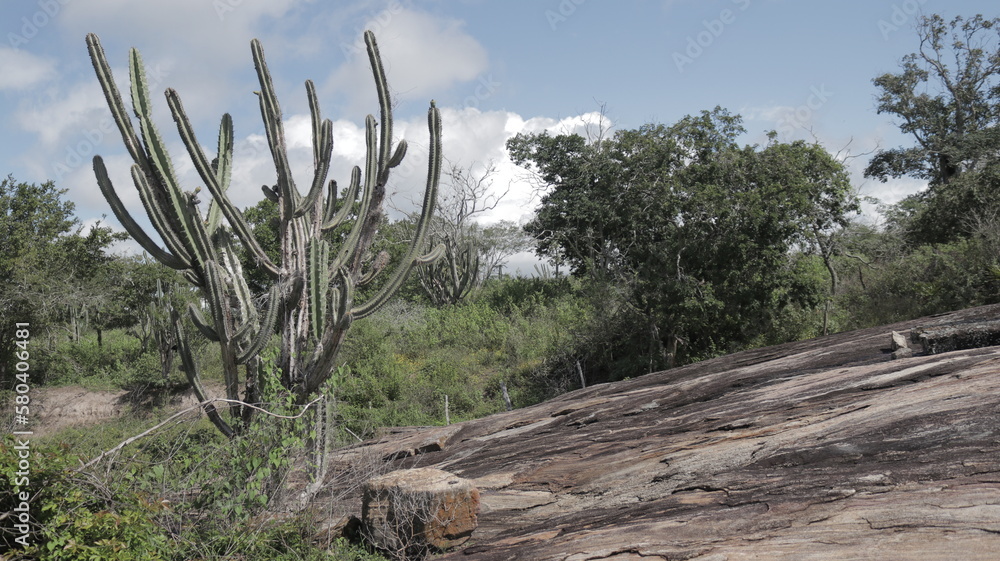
72, 516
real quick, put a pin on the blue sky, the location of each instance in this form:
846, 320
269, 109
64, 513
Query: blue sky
803, 68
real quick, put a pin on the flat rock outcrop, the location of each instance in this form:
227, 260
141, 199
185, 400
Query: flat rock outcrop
815, 450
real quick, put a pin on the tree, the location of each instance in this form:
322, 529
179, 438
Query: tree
811, 171
311, 295
53, 272
497, 243
698, 229
947, 98
32, 219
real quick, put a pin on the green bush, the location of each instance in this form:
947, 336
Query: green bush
72, 516
928, 280
182, 493
117, 363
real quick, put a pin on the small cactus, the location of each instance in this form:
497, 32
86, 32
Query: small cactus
449, 280
311, 301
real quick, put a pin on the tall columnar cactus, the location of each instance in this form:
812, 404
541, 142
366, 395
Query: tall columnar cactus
311, 302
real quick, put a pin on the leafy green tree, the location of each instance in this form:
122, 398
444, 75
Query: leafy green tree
947, 98
31, 217
50, 269
699, 230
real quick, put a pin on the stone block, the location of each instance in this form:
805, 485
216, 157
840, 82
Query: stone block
410, 511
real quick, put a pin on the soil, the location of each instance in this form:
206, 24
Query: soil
57, 408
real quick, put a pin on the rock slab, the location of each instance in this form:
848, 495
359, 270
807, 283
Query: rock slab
415, 510
809, 451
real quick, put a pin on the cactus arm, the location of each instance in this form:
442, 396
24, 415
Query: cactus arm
413, 256
194, 377
211, 178
130, 225
215, 296
325, 140
398, 155
340, 303
318, 275
223, 163
317, 123
157, 213
113, 97
334, 217
384, 102
153, 161
157, 152
199, 321
222, 166
389, 289
271, 114
351, 247
322, 150
182, 204
231, 263
340, 319
266, 327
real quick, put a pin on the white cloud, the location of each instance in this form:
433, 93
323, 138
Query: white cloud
212, 33
60, 120
422, 55
200, 48
21, 70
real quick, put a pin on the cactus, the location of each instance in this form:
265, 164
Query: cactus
311, 301
451, 279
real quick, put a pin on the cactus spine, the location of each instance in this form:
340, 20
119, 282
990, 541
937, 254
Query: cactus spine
311, 301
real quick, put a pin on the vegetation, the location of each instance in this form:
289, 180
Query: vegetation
947, 97
673, 243
697, 231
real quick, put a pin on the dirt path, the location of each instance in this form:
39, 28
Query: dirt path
57, 408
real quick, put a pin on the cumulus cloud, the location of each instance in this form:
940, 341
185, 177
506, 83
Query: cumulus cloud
422, 55
21, 70
200, 48
57, 121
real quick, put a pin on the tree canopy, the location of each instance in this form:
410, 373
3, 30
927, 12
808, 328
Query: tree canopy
702, 230
946, 96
